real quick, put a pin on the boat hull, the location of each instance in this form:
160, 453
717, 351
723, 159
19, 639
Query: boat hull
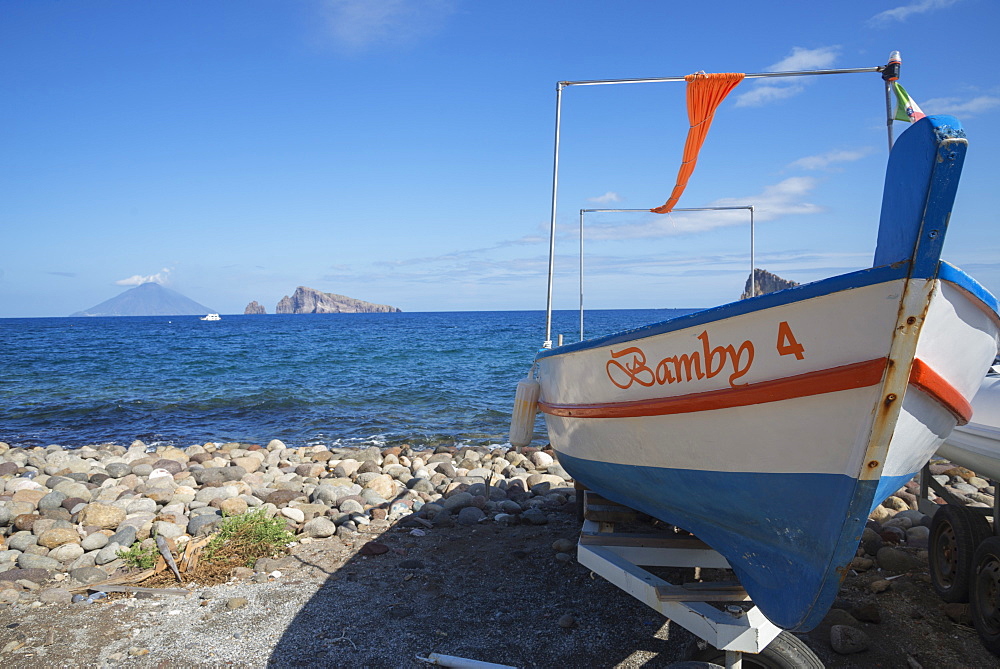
763, 426
977, 445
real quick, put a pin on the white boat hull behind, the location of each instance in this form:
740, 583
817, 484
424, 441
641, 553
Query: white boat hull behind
977, 445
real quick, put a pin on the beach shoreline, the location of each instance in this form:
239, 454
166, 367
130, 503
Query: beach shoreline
467, 551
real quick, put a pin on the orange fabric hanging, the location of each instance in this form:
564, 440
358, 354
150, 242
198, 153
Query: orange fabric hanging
705, 92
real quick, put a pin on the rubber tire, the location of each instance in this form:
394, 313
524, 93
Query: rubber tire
786, 651
955, 533
985, 600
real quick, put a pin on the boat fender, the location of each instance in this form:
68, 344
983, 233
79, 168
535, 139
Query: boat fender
522, 422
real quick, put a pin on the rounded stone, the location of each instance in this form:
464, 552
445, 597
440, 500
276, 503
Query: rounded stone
168, 530
125, 536
203, 524
234, 506
470, 515
21, 540
66, 552
95, 541
57, 537
118, 470
29, 561
103, 516
88, 575
534, 517
293, 514
171, 466
108, 554
351, 506
53, 500
55, 596
142, 470
846, 640
320, 528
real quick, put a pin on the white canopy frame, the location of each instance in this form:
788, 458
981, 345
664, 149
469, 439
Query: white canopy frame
890, 72
748, 207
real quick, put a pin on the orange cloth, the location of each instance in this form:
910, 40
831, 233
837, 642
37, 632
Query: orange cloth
705, 92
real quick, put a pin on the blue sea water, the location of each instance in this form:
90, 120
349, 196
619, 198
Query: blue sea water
334, 379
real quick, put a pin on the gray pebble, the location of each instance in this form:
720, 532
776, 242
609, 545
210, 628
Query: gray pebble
534, 517
29, 561
846, 640
470, 515
95, 541
897, 560
125, 536
108, 554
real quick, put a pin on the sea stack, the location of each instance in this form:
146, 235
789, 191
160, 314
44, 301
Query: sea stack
311, 301
254, 308
766, 283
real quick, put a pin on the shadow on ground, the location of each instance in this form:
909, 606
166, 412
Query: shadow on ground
487, 592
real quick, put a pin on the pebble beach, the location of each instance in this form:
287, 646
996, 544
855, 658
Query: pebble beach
450, 550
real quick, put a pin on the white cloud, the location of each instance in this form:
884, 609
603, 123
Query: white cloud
356, 25
781, 199
960, 107
138, 279
903, 12
763, 94
606, 198
778, 89
806, 59
824, 160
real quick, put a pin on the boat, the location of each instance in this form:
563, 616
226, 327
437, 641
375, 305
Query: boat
976, 445
211, 317
771, 427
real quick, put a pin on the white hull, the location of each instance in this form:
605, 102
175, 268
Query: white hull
977, 445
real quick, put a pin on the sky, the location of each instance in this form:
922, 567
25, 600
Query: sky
401, 151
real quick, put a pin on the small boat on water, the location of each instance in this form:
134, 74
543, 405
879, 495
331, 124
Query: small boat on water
771, 427
211, 317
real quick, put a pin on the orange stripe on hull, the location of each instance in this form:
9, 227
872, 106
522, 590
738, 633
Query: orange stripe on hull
932, 383
847, 377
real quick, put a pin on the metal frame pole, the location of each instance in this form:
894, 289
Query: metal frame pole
555, 172
888, 112
755, 75
581, 275
552, 221
753, 270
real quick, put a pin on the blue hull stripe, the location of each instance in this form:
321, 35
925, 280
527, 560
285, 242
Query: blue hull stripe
951, 274
788, 537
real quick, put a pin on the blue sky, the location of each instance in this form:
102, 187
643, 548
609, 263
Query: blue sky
400, 151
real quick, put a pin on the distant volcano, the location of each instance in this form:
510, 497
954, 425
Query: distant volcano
149, 299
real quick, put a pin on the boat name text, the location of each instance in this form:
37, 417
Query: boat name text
629, 365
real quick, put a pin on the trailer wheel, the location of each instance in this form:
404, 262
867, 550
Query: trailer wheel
955, 533
985, 594
786, 651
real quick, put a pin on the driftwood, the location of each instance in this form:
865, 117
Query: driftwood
124, 579
192, 552
187, 563
153, 591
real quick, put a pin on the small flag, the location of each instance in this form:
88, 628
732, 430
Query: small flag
906, 109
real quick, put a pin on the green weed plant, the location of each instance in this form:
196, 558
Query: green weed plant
248, 537
138, 557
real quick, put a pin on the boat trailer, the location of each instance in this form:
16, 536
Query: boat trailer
621, 557
964, 555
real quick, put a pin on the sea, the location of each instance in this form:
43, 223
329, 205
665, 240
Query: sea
340, 380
